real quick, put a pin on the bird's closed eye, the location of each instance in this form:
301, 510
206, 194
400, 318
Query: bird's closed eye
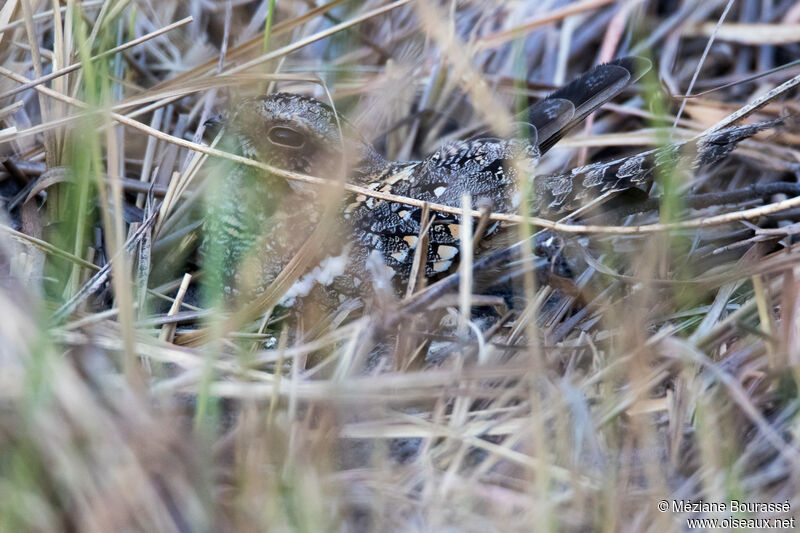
286, 137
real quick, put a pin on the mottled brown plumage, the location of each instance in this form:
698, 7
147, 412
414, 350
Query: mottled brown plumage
272, 217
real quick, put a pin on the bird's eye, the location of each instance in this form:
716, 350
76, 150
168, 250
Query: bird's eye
286, 137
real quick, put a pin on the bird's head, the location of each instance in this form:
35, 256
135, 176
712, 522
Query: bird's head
300, 134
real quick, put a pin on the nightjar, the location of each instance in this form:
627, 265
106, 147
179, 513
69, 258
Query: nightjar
257, 222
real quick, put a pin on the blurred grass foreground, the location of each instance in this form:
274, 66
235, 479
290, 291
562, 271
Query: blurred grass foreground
140, 392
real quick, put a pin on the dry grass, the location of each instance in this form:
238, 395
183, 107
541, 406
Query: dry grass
666, 368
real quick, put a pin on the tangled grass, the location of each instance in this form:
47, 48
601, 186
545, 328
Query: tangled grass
664, 368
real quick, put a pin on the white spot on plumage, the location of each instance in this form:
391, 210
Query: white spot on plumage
441, 266
438, 191
446, 252
323, 274
400, 255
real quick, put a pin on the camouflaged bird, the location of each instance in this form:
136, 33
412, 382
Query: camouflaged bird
259, 221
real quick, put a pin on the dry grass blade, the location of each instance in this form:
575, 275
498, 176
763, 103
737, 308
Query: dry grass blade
501, 37
536, 221
76, 66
